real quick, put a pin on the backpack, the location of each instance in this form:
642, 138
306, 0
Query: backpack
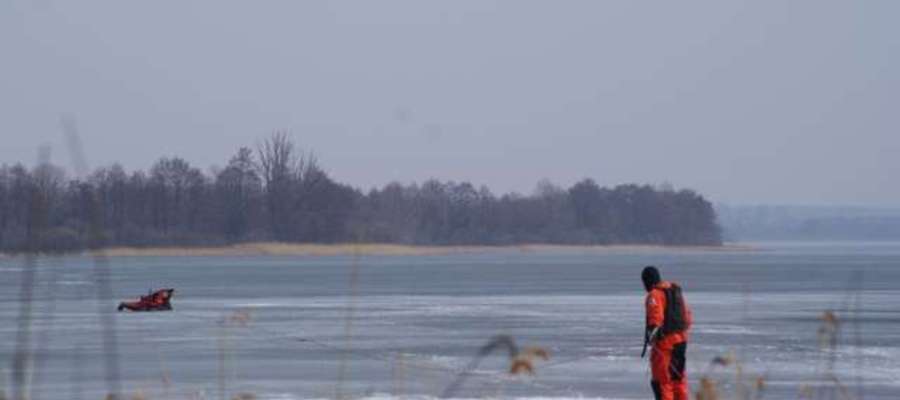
674, 314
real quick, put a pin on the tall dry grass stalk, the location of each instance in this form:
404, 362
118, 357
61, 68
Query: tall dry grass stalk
519, 361
745, 387
226, 348
343, 366
97, 242
3, 384
43, 339
398, 375
165, 374
22, 357
829, 385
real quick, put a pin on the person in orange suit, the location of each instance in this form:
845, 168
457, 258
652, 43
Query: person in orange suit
159, 298
668, 323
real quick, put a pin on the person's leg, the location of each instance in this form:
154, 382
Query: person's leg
659, 367
680, 390
678, 371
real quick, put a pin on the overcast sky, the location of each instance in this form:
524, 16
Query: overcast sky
790, 102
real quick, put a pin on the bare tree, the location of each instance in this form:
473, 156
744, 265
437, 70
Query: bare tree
278, 165
238, 187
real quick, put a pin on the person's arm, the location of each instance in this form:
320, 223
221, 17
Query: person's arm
655, 311
650, 335
655, 316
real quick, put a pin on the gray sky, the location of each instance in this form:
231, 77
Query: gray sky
747, 102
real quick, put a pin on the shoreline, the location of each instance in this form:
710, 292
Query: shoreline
386, 249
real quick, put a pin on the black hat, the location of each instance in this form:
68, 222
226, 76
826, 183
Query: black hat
650, 276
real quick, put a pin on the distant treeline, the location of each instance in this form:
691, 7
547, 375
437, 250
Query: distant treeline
277, 193
809, 223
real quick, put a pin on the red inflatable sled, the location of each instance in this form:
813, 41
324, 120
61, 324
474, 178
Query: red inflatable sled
155, 301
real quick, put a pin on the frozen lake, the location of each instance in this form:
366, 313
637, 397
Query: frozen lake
412, 323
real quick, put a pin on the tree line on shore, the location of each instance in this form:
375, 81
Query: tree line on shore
278, 193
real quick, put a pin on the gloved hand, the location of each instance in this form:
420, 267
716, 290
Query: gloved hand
652, 334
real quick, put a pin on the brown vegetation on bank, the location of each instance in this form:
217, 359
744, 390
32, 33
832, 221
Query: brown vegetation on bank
388, 249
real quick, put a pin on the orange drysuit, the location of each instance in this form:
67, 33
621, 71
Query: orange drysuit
667, 358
